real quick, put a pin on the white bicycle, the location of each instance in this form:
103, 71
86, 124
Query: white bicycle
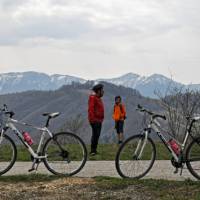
137, 154
63, 153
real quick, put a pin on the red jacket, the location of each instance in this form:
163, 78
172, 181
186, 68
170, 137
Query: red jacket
95, 109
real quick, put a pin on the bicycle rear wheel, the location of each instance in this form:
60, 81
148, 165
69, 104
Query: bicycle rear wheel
66, 154
133, 162
8, 154
193, 158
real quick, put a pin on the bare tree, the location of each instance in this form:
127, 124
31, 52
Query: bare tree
181, 105
74, 124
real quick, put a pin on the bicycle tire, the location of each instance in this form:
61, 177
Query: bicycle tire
64, 136
118, 165
190, 152
2, 157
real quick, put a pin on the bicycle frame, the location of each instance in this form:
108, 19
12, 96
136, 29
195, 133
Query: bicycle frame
155, 125
10, 125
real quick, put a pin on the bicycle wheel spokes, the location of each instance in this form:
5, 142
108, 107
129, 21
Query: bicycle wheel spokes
135, 157
7, 154
66, 154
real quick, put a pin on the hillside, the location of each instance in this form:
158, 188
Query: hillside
71, 101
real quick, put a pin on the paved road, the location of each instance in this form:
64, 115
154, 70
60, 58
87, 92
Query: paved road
160, 170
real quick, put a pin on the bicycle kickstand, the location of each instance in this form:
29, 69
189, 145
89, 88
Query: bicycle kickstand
176, 171
35, 166
32, 168
181, 173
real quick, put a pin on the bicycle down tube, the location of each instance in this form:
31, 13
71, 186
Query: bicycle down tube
19, 135
156, 126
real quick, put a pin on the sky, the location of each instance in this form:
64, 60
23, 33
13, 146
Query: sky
101, 38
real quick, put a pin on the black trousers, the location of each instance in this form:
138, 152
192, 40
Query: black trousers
96, 131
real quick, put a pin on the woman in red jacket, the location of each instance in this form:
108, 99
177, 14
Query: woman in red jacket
96, 115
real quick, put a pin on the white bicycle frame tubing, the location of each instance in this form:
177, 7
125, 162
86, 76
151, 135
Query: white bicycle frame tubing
155, 125
10, 124
139, 144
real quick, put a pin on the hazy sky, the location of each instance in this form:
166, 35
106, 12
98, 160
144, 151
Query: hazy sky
101, 38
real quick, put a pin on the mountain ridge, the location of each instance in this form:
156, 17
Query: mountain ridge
23, 81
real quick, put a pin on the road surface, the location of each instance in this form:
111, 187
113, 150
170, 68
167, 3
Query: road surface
160, 170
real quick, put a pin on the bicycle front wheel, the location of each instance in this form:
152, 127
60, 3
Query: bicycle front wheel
193, 158
135, 157
8, 154
65, 153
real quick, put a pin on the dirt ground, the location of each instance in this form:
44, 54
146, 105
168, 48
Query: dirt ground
64, 189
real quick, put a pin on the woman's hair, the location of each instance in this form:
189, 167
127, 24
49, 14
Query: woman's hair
118, 97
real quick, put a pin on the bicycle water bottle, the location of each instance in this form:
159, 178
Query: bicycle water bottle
175, 147
27, 138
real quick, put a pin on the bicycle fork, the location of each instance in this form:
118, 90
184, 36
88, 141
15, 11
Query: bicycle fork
140, 146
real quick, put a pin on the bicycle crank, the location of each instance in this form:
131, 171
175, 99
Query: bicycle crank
177, 165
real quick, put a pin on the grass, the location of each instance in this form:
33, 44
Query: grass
159, 189
28, 178
156, 189
106, 152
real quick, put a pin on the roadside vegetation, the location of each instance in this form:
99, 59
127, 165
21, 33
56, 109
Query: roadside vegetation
54, 187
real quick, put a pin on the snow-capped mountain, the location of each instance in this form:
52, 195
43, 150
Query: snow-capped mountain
23, 81
147, 86
127, 80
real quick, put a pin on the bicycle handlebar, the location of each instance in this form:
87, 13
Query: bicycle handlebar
7, 112
154, 115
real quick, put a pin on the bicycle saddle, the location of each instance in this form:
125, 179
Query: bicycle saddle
51, 115
196, 118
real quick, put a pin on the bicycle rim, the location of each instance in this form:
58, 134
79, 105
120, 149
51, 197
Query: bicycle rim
8, 154
193, 158
130, 162
66, 154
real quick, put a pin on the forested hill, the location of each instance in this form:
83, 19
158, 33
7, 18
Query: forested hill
72, 102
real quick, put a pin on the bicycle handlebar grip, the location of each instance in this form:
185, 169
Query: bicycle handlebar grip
11, 113
139, 106
141, 109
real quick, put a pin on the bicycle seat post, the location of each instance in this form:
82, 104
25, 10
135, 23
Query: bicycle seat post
48, 120
50, 116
